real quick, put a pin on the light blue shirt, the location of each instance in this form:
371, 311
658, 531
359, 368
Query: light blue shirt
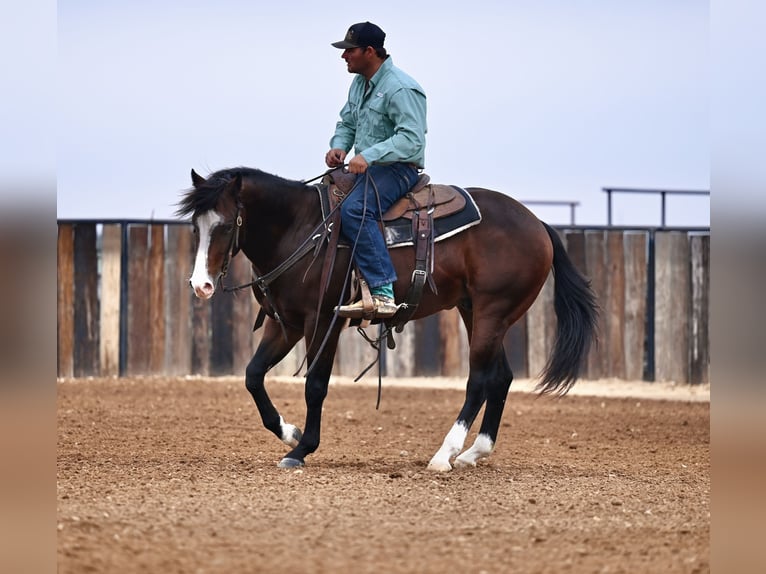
384, 121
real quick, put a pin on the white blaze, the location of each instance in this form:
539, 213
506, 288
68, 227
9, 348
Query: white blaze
201, 282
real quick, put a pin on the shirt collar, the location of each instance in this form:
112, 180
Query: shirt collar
384, 68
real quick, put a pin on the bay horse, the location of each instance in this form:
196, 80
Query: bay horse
492, 272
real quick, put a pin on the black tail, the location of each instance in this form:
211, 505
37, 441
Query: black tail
577, 313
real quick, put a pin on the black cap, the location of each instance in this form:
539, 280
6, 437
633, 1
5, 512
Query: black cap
362, 35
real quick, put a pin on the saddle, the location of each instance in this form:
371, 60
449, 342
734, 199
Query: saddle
442, 200
419, 218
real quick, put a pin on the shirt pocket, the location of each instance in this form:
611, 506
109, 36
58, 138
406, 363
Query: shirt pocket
381, 127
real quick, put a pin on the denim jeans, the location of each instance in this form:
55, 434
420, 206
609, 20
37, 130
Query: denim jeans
361, 217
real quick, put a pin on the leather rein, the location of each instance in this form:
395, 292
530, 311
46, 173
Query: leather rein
263, 282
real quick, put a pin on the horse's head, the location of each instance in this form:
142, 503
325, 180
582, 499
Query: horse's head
215, 207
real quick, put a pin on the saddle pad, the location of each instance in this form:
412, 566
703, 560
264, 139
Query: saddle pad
398, 233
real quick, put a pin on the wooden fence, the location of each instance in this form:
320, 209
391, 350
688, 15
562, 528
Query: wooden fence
125, 308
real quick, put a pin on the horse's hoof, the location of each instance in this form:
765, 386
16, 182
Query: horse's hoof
290, 463
439, 466
464, 463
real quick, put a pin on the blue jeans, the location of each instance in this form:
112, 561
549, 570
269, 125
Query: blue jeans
371, 256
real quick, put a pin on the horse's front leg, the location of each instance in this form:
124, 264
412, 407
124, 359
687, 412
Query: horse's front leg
317, 381
271, 350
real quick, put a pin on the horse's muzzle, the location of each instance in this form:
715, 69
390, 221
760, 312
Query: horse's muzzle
204, 290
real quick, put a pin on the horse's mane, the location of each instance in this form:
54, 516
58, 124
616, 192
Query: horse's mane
206, 196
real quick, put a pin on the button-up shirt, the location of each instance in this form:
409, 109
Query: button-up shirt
384, 119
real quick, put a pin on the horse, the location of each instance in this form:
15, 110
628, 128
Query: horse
492, 272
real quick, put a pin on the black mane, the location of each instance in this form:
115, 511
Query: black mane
206, 196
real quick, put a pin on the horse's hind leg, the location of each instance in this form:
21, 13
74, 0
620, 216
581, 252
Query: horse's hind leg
489, 380
272, 349
497, 391
475, 395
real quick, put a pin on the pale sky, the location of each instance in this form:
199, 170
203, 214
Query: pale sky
541, 100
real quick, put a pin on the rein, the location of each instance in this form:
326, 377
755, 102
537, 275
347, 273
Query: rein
310, 243
264, 281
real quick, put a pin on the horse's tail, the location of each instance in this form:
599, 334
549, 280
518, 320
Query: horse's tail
576, 314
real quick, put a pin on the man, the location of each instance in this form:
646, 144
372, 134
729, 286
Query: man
384, 120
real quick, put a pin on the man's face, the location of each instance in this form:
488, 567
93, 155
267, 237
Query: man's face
357, 61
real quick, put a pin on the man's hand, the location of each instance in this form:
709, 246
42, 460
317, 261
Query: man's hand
357, 164
335, 157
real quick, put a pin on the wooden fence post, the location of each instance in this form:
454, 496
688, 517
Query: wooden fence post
65, 306
178, 303
111, 270
636, 245
614, 305
138, 301
699, 339
156, 287
672, 307
596, 270
86, 307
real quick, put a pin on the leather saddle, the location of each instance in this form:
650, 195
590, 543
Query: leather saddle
441, 200
444, 200
425, 214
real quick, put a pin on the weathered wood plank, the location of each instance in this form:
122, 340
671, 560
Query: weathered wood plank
157, 287
65, 300
401, 362
540, 329
576, 250
427, 347
671, 322
200, 355
635, 305
221, 332
243, 316
595, 259
139, 317
615, 305
86, 307
575, 243
699, 339
178, 326
291, 364
451, 330
515, 344
111, 275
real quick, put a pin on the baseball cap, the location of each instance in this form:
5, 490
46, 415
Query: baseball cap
362, 35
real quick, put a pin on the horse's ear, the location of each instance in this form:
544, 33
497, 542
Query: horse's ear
197, 179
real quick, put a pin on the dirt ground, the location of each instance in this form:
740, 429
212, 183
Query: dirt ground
178, 475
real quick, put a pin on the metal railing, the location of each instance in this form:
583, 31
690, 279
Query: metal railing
571, 204
663, 193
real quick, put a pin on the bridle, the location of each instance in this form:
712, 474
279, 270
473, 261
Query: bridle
233, 247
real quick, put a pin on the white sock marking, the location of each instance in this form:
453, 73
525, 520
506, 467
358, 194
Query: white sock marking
288, 433
452, 445
482, 447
